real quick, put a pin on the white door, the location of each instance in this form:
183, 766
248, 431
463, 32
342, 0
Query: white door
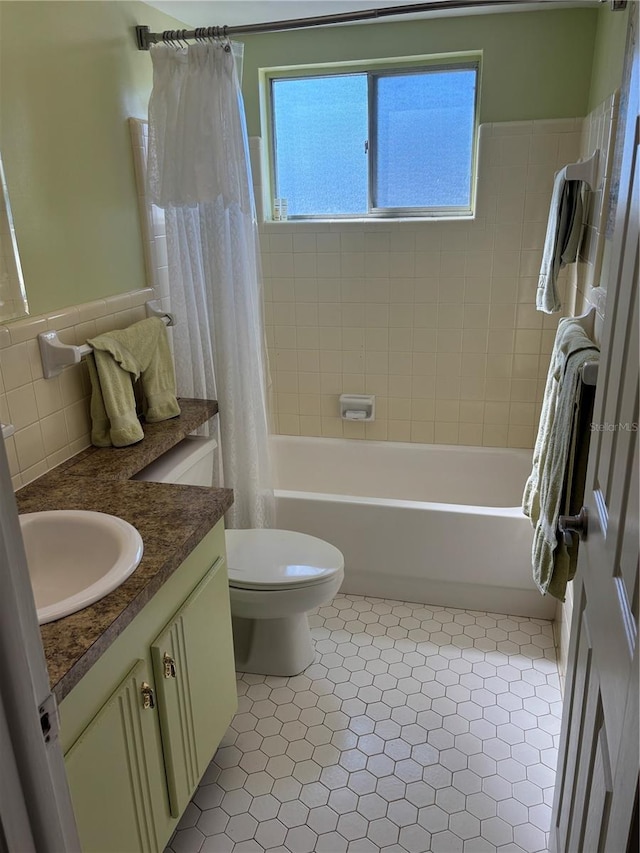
596, 798
35, 806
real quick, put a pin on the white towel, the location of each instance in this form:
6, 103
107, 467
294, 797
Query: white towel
564, 230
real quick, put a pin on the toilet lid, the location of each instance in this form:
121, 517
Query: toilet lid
279, 559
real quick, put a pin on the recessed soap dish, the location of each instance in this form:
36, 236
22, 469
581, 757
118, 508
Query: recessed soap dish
358, 407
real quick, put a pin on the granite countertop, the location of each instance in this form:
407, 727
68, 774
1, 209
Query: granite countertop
172, 520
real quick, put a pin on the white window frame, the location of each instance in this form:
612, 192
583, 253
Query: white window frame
374, 71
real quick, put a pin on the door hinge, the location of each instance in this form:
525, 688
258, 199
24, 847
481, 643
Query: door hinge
49, 719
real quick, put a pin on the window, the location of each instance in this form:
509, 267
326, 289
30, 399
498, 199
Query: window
375, 143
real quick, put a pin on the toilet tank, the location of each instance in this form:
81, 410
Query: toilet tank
190, 462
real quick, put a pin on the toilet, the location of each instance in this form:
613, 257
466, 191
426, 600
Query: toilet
275, 576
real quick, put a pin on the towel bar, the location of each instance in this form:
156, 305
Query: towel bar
585, 170
55, 355
587, 321
590, 373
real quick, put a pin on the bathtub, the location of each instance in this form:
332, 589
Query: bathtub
436, 524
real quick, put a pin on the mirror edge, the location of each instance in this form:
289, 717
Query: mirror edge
20, 306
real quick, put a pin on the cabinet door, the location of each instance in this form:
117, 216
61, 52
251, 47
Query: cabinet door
195, 679
115, 774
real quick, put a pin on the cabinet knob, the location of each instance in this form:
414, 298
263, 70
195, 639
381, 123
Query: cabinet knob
169, 666
148, 699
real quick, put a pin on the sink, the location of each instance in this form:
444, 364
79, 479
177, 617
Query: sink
76, 557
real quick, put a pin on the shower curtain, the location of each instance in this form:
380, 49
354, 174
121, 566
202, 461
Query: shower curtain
199, 172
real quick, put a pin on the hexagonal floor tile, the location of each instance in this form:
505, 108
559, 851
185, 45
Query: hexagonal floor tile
416, 728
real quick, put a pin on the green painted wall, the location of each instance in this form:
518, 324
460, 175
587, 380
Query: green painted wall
70, 76
536, 64
65, 95
608, 55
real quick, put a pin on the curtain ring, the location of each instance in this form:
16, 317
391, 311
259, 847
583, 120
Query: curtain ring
227, 42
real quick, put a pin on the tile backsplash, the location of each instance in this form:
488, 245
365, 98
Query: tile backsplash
51, 416
437, 319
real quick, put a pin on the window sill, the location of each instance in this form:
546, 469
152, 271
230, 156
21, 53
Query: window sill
373, 220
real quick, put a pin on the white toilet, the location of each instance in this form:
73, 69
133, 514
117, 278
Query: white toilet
275, 576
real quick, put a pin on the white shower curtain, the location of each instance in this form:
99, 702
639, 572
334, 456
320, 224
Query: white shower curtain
198, 171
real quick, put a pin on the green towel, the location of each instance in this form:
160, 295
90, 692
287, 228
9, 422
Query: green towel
141, 351
566, 556
558, 440
114, 422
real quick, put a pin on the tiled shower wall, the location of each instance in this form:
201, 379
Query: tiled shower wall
588, 278
437, 319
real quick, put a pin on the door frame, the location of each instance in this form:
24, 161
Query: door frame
35, 805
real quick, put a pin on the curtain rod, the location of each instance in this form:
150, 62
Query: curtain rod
145, 38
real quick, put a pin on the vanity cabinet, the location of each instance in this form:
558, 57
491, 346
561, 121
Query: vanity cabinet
188, 657
140, 728
115, 773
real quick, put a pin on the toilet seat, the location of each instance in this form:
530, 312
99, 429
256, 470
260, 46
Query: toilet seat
279, 559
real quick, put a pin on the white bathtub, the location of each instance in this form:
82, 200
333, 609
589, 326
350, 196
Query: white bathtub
436, 524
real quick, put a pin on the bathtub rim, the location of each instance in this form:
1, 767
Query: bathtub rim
432, 506
345, 445
413, 445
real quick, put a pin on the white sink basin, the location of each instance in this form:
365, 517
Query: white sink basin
76, 557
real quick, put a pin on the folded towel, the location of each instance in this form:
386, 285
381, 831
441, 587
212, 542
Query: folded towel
570, 337
566, 555
114, 422
564, 229
560, 437
119, 357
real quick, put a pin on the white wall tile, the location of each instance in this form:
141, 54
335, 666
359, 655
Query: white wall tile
23, 410
15, 366
424, 312
29, 446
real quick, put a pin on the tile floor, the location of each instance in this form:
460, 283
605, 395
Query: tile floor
417, 729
